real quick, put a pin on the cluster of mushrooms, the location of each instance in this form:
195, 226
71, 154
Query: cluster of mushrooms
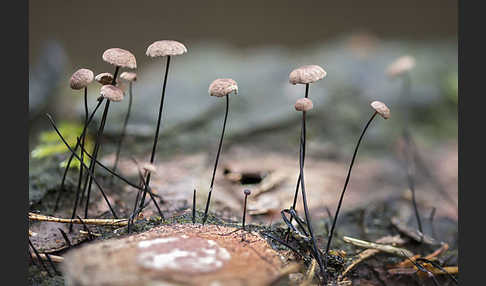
111, 91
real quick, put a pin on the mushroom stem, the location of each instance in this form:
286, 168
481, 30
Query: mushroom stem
124, 129
80, 179
244, 211
97, 146
410, 180
39, 258
216, 162
304, 197
156, 137
347, 181
298, 180
100, 101
82, 164
194, 207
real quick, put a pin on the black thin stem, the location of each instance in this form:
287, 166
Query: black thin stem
156, 137
80, 179
52, 264
82, 165
100, 101
296, 195
244, 211
216, 162
304, 197
39, 258
194, 207
66, 239
99, 136
124, 129
346, 182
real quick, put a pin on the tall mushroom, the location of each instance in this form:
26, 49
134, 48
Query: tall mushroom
80, 80
219, 88
162, 48
120, 58
305, 75
130, 77
381, 109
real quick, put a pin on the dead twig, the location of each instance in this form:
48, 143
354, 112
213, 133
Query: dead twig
381, 247
109, 222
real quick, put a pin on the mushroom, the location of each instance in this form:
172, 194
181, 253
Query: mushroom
219, 87
104, 78
161, 49
379, 108
79, 80
120, 58
400, 66
247, 192
130, 77
305, 75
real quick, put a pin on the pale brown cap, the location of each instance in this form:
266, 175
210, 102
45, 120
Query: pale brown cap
111, 92
303, 104
381, 108
146, 166
307, 74
104, 78
81, 78
223, 86
165, 48
120, 57
129, 76
400, 66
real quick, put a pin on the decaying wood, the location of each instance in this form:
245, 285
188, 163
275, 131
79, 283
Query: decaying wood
382, 247
109, 222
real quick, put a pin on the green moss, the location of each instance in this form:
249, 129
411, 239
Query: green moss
50, 144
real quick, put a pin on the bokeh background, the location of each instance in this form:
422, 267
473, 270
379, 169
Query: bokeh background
258, 43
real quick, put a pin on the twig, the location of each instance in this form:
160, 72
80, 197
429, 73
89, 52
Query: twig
111, 222
310, 274
54, 258
382, 247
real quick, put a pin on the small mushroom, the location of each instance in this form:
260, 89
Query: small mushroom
161, 49
111, 93
81, 79
303, 104
219, 88
307, 74
382, 109
104, 78
120, 58
247, 192
400, 66
222, 87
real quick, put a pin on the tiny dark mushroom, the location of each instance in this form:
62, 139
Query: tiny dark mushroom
120, 58
162, 48
247, 192
130, 77
381, 109
219, 88
104, 78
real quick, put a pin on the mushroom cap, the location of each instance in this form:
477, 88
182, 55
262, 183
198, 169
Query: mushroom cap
223, 86
129, 76
104, 78
247, 192
381, 108
400, 66
307, 74
146, 166
303, 104
120, 57
81, 78
165, 48
111, 92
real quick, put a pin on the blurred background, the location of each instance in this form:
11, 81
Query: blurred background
258, 43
